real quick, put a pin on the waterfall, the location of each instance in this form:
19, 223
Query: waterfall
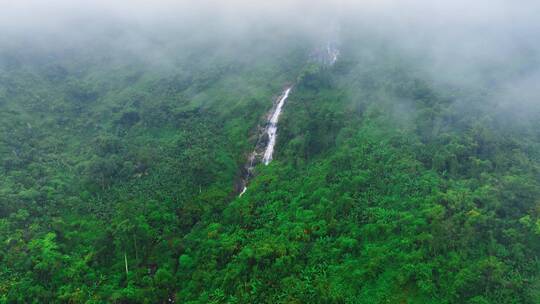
271, 129
264, 149
267, 149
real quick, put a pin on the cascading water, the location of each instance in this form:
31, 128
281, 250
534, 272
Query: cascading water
326, 56
268, 148
332, 53
271, 129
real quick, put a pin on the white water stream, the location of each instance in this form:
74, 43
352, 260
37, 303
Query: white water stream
271, 129
327, 56
332, 54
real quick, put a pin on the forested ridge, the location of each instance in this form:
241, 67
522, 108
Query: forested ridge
118, 174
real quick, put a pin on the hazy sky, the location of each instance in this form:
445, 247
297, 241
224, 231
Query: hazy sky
456, 37
471, 24
413, 19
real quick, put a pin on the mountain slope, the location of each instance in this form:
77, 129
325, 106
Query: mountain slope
386, 186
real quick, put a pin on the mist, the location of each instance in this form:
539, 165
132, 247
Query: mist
487, 43
250, 151
477, 33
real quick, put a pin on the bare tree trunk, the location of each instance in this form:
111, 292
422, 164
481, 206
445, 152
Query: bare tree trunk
125, 261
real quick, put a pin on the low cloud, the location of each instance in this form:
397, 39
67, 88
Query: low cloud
461, 42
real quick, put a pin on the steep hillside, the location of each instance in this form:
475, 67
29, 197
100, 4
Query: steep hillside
383, 190
391, 180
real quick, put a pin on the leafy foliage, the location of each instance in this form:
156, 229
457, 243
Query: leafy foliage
117, 184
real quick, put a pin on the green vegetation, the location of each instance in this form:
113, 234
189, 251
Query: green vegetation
117, 182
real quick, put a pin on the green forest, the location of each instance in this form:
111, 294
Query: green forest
119, 176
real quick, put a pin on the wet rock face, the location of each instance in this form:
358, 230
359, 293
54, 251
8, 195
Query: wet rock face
263, 141
326, 55
264, 148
